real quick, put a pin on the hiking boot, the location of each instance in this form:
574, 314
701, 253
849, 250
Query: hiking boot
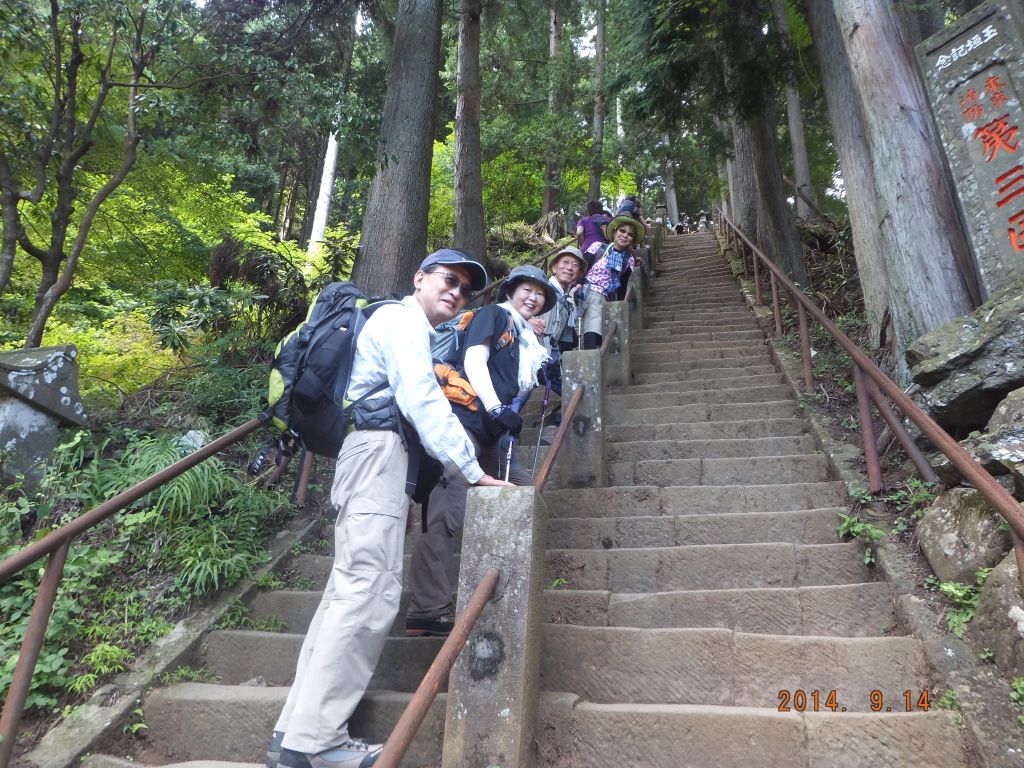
274, 750
354, 753
439, 627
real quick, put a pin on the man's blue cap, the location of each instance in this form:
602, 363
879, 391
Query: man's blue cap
477, 273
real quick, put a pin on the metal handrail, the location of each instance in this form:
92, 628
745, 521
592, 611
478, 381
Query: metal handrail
56, 544
418, 707
544, 474
1000, 499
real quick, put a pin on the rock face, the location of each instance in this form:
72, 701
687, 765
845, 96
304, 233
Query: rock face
960, 533
968, 366
1000, 449
998, 623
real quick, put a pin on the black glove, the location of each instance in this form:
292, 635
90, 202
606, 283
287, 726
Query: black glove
509, 420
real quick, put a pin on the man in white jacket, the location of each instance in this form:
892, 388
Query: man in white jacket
346, 636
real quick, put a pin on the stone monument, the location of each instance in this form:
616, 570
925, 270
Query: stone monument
38, 395
974, 74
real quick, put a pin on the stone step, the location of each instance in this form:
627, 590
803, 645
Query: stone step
203, 721
854, 610
721, 667
581, 733
705, 430
696, 325
685, 290
686, 343
296, 608
671, 314
753, 470
696, 385
661, 336
845, 610
316, 568
702, 374
667, 359
109, 761
649, 501
736, 364
779, 409
669, 450
690, 281
806, 526
700, 334
710, 566
630, 400
710, 323
237, 656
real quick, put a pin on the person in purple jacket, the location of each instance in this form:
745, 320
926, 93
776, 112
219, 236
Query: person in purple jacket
590, 228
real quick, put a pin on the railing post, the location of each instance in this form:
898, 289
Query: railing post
494, 685
805, 349
867, 432
757, 277
615, 368
776, 306
581, 460
35, 634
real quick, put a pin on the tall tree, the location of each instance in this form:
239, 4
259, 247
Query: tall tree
931, 279
597, 161
394, 233
551, 166
668, 173
795, 120
744, 51
470, 234
855, 160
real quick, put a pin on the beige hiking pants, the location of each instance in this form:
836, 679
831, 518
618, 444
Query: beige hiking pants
360, 602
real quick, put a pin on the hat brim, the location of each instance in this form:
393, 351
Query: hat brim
638, 226
477, 273
584, 266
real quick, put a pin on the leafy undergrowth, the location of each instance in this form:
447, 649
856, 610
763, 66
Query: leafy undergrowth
128, 580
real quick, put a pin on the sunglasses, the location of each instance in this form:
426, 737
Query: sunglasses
453, 281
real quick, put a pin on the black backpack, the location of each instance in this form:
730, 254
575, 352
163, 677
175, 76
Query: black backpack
310, 370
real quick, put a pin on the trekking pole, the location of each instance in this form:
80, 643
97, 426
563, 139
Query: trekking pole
540, 432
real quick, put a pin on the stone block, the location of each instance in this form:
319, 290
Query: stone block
960, 533
998, 623
493, 692
581, 457
615, 366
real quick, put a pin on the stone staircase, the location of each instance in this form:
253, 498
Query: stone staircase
684, 598
706, 587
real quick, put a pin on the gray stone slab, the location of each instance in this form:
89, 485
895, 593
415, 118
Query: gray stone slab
857, 739
638, 450
705, 431
237, 656
696, 500
699, 412
227, 722
631, 400
726, 668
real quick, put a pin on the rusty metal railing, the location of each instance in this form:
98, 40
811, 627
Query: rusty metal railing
416, 710
55, 545
871, 384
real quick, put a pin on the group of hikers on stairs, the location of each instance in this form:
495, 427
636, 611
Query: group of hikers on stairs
396, 395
